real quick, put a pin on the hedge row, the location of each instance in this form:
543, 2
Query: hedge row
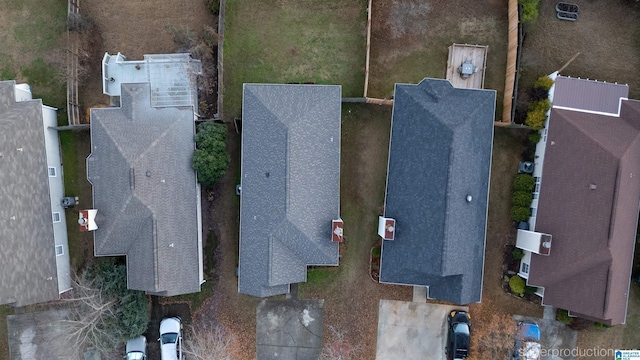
521, 201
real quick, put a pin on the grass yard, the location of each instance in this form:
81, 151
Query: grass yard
410, 40
33, 38
607, 36
283, 41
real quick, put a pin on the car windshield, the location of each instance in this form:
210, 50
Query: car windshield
134, 355
169, 338
461, 328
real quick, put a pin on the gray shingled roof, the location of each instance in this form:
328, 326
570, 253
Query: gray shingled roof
146, 193
290, 184
440, 152
28, 272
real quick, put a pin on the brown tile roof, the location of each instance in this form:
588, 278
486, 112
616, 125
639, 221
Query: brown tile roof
589, 95
593, 229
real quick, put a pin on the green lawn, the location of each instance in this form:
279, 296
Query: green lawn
31, 37
282, 41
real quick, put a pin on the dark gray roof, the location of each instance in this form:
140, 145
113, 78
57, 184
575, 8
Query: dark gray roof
440, 152
290, 184
590, 95
28, 272
146, 193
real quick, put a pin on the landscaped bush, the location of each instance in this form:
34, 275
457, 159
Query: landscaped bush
520, 213
601, 325
528, 290
524, 182
517, 253
517, 284
536, 119
529, 11
543, 82
210, 159
542, 105
535, 137
563, 316
375, 252
521, 199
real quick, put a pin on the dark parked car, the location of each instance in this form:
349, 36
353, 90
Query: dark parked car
459, 334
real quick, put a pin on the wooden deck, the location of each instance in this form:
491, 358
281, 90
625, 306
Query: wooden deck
458, 53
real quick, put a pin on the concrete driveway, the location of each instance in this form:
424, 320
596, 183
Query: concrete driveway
555, 337
40, 335
412, 330
289, 329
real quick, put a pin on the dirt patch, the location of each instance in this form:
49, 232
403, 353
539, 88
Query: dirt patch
410, 40
408, 19
235, 312
501, 231
606, 35
137, 28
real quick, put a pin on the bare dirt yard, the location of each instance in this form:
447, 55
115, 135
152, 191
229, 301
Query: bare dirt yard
135, 28
410, 40
607, 36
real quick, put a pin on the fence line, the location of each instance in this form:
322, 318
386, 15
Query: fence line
219, 114
512, 52
366, 66
73, 108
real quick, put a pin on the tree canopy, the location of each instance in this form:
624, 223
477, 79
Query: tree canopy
210, 159
105, 314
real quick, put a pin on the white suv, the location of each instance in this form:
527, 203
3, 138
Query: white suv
171, 339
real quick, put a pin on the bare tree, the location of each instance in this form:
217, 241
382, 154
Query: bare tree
103, 312
338, 348
90, 312
207, 342
493, 334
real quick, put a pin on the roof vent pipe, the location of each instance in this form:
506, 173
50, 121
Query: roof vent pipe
469, 198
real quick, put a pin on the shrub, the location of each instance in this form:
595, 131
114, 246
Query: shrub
521, 199
529, 11
530, 290
524, 182
520, 213
542, 105
516, 284
535, 137
536, 119
376, 252
517, 253
563, 316
104, 305
210, 159
543, 82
